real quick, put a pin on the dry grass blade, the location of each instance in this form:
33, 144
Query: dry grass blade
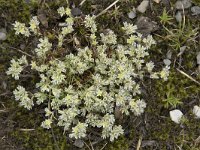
105, 10
83, 1
188, 76
27, 130
3, 111
139, 143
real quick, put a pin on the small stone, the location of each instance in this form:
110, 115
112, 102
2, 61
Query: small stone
176, 115
157, 1
178, 16
76, 12
146, 26
198, 58
182, 50
196, 111
195, 10
62, 24
79, 143
180, 4
3, 36
146, 143
167, 62
28, 1
169, 54
22, 46
143, 6
42, 17
131, 14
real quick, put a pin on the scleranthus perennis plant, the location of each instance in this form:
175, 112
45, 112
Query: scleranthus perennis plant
83, 86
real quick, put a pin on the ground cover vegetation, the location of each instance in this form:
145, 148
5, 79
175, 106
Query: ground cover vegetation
75, 75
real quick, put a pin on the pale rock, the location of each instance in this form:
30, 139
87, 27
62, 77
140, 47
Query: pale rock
195, 10
180, 4
176, 115
178, 17
167, 62
2, 36
157, 1
143, 6
131, 14
198, 58
79, 143
196, 111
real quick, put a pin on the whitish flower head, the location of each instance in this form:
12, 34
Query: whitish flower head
129, 28
22, 95
48, 112
79, 131
176, 115
68, 11
16, 67
165, 73
150, 65
20, 28
137, 106
67, 30
109, 37
43, 47
116, 132
41, 97
69, 21
149, 41
132, 39
34, 23
46, 124
90, 23
61, 11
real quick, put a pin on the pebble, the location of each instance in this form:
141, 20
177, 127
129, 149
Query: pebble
178, 16
195, 10
198, 58
131, 14
143, 6
79, 143
169, 54
167, 62
157, 1
146, 26
180, 4
2, 36
182, 50
76, 12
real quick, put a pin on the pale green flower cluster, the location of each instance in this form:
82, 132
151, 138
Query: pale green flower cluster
84, 88
16, 67
22, 95
43, 47
20, 28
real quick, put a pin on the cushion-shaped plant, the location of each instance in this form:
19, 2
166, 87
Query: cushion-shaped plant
83, 86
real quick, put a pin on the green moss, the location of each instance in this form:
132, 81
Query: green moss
119, 144
40, 139
176, 87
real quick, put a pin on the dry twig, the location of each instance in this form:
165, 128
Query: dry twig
105, 10
188, 76
139, 143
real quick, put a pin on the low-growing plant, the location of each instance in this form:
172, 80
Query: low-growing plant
165, 18
82, 83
